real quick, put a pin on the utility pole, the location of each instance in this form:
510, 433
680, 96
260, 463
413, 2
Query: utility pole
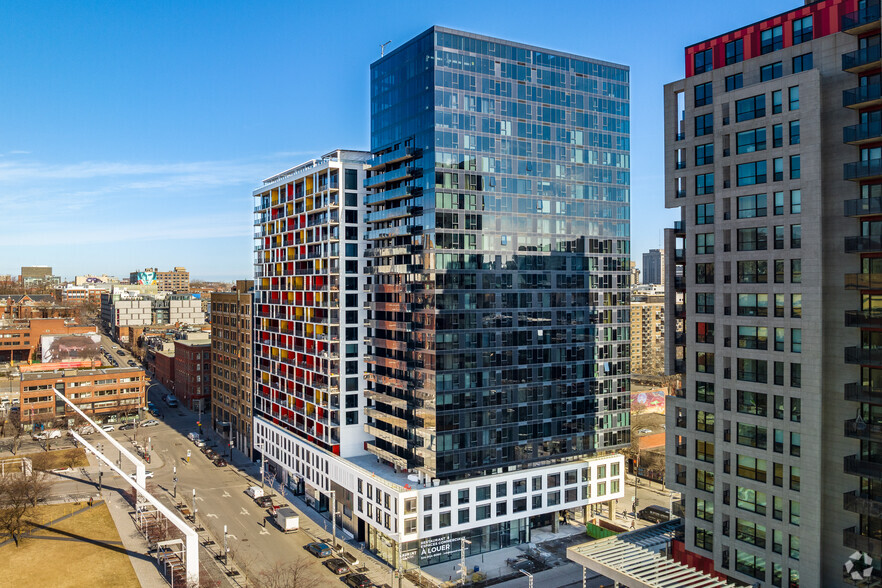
334, 518
226, 549
462, 564
260, 448
175, 479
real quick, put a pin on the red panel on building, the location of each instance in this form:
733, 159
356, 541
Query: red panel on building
694, 560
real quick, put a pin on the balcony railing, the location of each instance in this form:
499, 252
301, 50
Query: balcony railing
863, 430
853, 539
862, 503
863, 281
864, 318
862, 96
854, 465
863, 244
863, 356
862, 59
859, 392
862, 170
860, 21
679, 227
862, 133
863, 206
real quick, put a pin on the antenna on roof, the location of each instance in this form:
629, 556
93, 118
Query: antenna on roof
383, 48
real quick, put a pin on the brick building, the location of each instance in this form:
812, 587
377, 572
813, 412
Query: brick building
21, 340
164, 367
192, 361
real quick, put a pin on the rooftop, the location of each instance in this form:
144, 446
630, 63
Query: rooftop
370, 463
58, 374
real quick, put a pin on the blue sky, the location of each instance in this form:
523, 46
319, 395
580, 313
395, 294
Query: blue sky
132, 133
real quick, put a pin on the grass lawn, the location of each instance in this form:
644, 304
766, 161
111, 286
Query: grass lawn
42, 562
58, 459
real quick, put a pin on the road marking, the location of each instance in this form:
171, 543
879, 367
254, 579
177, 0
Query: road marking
264, 532
211, 516
225, 494
244, 512
231, 536
199, 498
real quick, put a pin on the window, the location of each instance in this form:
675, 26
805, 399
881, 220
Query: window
802, 30
482, 493
704, 243
750, 108
410, 526
778, 474
704, 273
444, 500
779, 338
501, 489
751, 173
752, 370
795, 403
752, 468
734, 51
704, 154
704, 214
704, 94
704, 451
777, 169
704, 509
463, 516
750, 337
501, 509
753, 305
750, 141
778, 446
704, 303
427, 522
794, 478
794, 132
755, 403
704, 362
704, 184
795, 167
704, 421
752, 435
704, 61
795, 236
704, 125
463, 496
752, 206
802, 62
771, 40
482, 512
753, 271
795, 444
796, 340
795, 201
750, 532
776, 102
779, 203
795, 271
752, 565
794, 505
779, 406
777, 135
751, 500
704, 539
779, 271
754, 239
704, 333
771, 72
793, 94
704, 391
778, 231
734, 82
704, 480
794, 547
444, 520
779, 305
796, 305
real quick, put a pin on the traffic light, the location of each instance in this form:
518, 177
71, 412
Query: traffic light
198, 424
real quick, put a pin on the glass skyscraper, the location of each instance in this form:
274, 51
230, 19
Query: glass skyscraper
498, 232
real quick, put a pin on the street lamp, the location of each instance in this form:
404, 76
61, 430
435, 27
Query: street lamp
260, 448
529, 575
226, 549
462, 543
334, 517
175, 480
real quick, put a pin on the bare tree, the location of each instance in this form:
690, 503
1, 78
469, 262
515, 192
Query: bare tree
19, 494
13, 427
298, 573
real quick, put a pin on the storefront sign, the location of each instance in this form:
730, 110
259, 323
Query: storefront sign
432, 547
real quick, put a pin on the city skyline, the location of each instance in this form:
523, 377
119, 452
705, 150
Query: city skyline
108, 141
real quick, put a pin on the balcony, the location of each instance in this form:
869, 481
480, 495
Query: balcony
862, 503
680, 256
679, 228
870, 319
863, 430
852, 539
862, 96
857, 467
861, 21
394, 194
680, 311
863, 206
863, 244
863, 356
858, 392
400, 154
862, 59
862, 133
391, 214
863, 170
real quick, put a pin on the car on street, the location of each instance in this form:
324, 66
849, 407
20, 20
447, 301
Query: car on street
358, 581
130, 363
645, 431
318, 549
264, 501
147, 474
108, 428
156, 412
220, 462
655, 514
150, 423
127, 427
336, 565
121, 353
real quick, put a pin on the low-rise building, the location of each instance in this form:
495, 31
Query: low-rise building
192, 383
20, 340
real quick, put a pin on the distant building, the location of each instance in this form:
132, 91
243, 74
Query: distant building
231, 397
74, 294
635, 274
20, 341
127, 307
648, 335
653, 267
38, 275
193, 373
177, 280
27, 306
90, 279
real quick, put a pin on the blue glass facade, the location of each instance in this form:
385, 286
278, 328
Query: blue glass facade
499, 231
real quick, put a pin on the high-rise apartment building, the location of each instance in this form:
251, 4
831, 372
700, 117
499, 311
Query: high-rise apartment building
647, 334
494, 387
653, 267
231, 330
773, 153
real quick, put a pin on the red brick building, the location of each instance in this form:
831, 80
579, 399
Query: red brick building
164, 368
193, 373
21, 341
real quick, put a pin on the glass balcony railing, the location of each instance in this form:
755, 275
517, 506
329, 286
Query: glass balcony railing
860, 392
863, 206
861, 20
862, 503
863, 281
855, 429
863, 356
862, 133
866, 58
862, 170
862, 96
853, 539
863, 244
855, 465
871, 319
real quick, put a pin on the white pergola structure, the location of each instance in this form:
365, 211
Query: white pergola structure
634, 559
191, 549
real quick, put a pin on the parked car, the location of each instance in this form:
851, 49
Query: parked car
319, 549
127, 427
108, 428
121, 352
645, 431
156, 412
264, 501
254, 491
220, 462
358, 581
53, 434
336, 565
655, 514
150, 423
